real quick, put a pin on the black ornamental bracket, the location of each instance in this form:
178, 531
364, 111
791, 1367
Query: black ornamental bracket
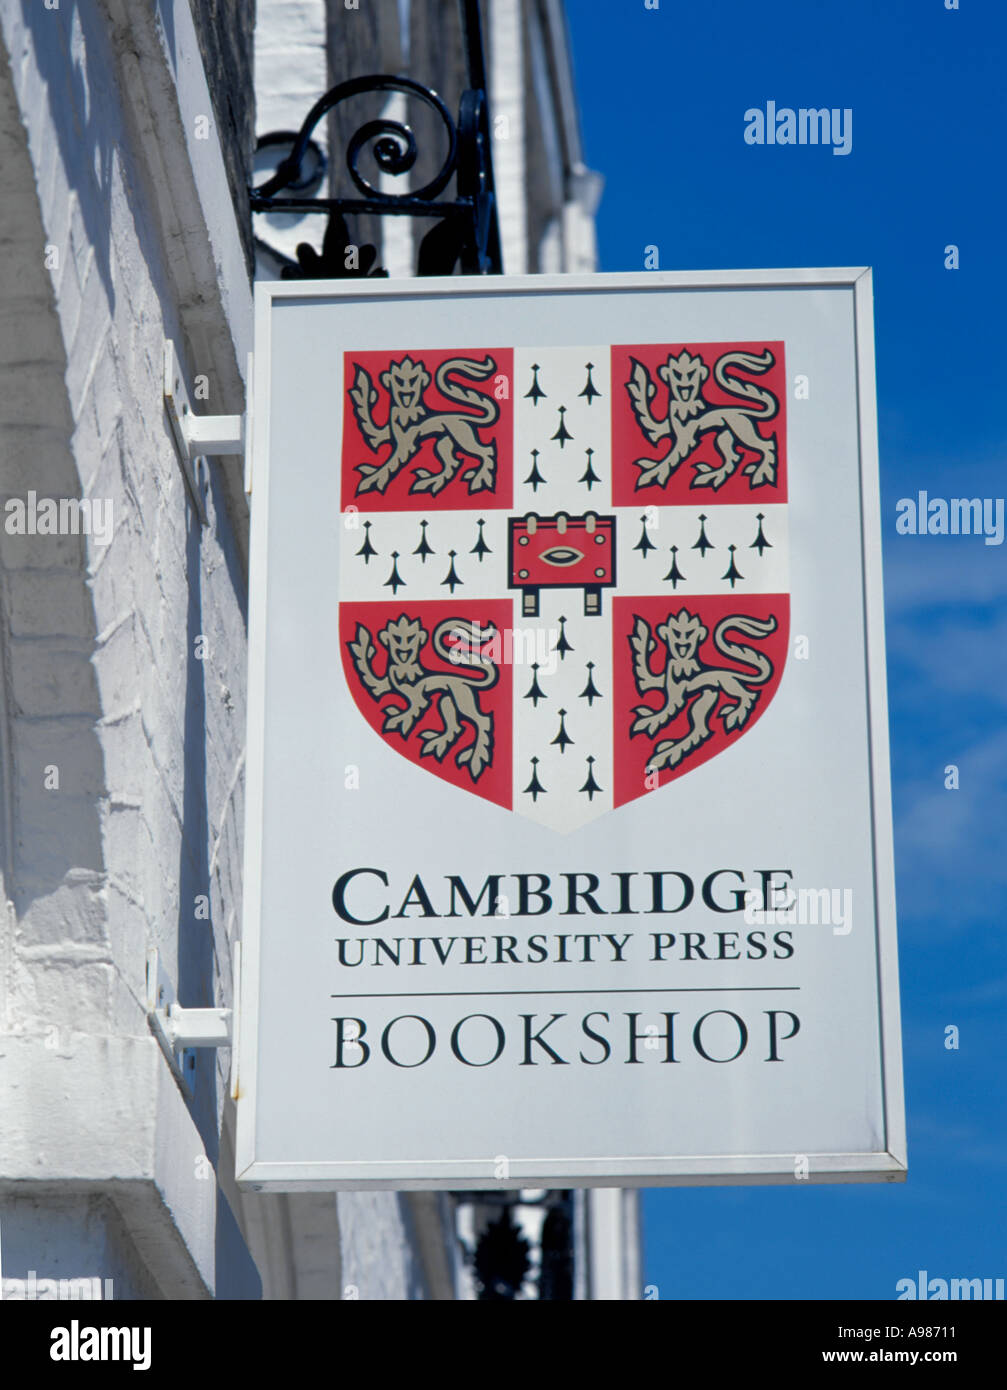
466, 232
500, 1258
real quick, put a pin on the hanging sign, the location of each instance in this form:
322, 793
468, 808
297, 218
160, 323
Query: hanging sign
568, 847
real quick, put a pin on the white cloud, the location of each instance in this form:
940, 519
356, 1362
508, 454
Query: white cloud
938, 571
949, 844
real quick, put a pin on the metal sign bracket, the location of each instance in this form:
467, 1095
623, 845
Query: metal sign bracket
196, 436
180, 1031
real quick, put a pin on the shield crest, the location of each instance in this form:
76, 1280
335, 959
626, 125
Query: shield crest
564, 578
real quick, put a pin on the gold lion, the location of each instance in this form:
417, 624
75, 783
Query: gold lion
685, 676
411, 421
690, 415
407, 678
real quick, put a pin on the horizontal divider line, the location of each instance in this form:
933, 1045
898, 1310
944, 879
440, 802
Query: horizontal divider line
670, 989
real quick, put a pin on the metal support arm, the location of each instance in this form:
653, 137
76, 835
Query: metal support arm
177, 1029
196, 435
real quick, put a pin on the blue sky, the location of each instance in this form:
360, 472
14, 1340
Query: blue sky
663, 95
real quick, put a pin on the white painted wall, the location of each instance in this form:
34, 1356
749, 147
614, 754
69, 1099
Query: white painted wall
104, 689
290, 75
614, 1263
506, 79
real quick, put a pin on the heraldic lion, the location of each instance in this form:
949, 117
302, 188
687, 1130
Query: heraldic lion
690, 415
411, 421
685, 676
407, 679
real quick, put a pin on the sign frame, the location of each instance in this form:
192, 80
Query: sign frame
888, 1163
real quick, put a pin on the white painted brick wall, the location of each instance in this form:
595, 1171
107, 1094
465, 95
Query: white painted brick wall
98, 640
149, 743
112, 300
377, 1263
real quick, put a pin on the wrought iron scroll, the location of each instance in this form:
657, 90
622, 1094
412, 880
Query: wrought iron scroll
466, 230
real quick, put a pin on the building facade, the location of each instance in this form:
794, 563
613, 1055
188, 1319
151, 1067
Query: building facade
127, 136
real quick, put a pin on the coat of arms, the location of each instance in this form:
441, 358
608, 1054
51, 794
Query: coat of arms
564, 571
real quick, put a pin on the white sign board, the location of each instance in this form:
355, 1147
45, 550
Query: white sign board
568, 850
